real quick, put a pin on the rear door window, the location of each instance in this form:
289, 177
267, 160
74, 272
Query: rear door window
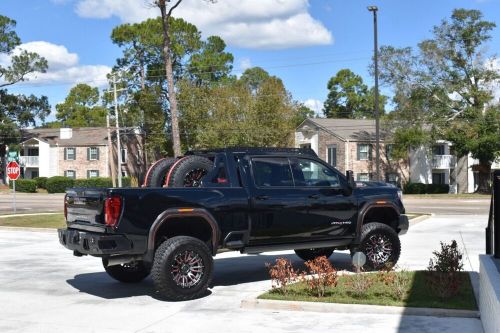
272, 172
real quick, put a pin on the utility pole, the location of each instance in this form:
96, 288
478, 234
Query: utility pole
119, 147
374, 10
110, 151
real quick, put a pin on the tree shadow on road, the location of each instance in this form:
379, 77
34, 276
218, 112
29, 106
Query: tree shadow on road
227, 272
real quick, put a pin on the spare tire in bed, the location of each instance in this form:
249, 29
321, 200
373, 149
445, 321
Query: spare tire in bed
188, 171
157, 173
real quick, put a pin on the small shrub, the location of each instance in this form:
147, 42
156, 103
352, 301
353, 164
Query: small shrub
419, 188
59, 184
24, 185
444, 270
398, 282
322, 275
359, 283
96, 182
282, 275
41, 182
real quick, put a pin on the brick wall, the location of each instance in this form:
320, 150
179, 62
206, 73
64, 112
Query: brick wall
349, 159
80, 165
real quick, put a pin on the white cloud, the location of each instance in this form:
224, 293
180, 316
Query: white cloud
266, 24
315, 105
64, 67
245, 63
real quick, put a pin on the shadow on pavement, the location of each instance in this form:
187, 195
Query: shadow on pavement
227, 272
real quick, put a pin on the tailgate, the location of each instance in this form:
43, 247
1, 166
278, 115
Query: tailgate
85, 208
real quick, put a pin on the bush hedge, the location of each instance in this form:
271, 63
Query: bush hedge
59, 184
24, 185
419, 188
41, 182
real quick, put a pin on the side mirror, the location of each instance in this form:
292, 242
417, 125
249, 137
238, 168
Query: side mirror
350, 179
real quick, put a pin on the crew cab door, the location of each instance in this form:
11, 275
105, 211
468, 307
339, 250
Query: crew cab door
277, 209
331, 208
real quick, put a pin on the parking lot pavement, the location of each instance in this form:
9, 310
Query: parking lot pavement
43, 288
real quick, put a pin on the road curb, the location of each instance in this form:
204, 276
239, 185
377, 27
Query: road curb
265, 304
421, 218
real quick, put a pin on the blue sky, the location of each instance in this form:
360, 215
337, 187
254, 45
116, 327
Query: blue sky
303, 42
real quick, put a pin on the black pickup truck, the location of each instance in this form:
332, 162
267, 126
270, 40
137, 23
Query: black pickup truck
251, 200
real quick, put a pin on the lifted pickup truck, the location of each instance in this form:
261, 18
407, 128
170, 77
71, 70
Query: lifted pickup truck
252, 200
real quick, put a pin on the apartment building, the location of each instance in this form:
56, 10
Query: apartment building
80, 153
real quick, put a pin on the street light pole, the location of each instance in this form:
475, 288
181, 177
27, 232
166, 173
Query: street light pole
374, 10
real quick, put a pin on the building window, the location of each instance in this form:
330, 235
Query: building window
93, 153
331, 155
392, 178
92, 173
438, 178
364, 152
438, 149
363, 177
124, 155
70, 174
70, 154
389, 151
305, 146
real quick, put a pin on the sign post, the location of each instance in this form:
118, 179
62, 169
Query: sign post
13, 172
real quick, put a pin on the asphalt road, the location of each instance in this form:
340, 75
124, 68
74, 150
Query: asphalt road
31, 202
447, 206
43, 288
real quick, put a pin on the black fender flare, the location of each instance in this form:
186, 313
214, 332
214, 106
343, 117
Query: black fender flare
181, 212
366, 208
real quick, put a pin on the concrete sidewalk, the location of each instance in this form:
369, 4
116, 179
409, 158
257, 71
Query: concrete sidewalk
43, 288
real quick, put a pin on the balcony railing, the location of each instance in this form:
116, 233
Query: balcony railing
29, 161
443, 162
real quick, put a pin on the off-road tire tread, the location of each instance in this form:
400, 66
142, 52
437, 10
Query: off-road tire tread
156, 176
186, 164
366, 229
161, 278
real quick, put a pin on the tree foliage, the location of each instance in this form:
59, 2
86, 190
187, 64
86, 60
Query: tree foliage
82, 108
444, 88
238, 113
198, 61
21, 63
349, 97
17, 110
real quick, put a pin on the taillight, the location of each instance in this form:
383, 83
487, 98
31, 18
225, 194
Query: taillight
112, 209
66, 207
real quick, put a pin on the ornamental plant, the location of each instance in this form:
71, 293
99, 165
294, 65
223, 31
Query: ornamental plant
321, 275
444, 269
282, 275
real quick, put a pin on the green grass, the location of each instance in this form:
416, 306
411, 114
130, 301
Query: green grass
34, 221
418, 294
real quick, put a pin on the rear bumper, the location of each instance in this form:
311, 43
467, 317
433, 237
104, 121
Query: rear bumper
92, 243
403, 225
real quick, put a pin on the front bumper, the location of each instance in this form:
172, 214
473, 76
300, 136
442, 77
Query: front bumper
92, 243
403, 225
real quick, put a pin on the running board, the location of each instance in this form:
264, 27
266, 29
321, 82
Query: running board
296, 246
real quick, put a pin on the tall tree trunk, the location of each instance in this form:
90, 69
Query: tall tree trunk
484, 169
170, 76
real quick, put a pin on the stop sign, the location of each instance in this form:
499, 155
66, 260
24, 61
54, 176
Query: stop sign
13, 170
